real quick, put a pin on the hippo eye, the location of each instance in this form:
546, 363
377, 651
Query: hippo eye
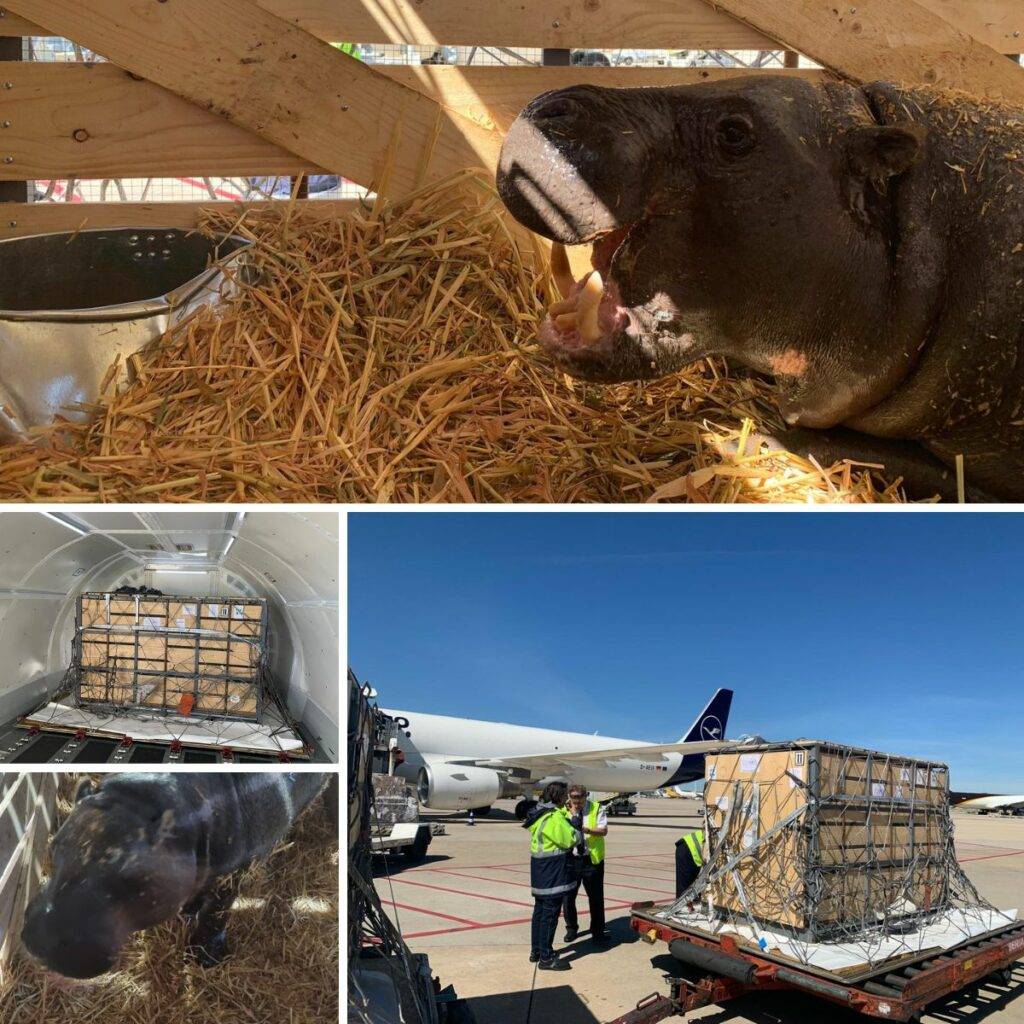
734, 134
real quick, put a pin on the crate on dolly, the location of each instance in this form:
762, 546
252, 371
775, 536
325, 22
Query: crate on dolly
831, 870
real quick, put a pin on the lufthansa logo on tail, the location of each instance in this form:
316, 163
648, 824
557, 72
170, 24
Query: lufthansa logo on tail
711, 728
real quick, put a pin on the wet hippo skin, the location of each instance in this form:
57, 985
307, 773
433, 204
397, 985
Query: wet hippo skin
863, 246
142, 847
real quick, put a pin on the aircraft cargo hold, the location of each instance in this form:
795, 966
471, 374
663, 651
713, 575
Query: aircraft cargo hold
175, 635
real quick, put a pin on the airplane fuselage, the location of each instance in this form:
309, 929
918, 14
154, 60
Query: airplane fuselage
439, 739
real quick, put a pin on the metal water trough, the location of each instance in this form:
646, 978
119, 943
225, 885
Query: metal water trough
71, 303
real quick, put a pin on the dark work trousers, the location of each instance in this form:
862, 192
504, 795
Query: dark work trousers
591, 878
543, 925
686, 870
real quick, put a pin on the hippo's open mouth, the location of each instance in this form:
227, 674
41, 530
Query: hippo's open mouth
590, 312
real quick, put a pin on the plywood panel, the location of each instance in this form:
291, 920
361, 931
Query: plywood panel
259, 72
37, 218
96, 121
899, 41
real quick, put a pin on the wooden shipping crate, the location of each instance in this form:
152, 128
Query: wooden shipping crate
158, 651
839, 836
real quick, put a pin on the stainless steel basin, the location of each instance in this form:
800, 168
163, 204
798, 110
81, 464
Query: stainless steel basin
71, 303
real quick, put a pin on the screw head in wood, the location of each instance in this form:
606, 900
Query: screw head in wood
80, 135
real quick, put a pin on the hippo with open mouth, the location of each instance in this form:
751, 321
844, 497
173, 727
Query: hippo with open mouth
862, 245
144, 846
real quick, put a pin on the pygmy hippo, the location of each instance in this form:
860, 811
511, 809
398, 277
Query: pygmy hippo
143, 846
864, 246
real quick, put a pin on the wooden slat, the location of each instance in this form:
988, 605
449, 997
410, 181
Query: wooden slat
899, 41
604, 24
97, 121
13, 25
18, 219
264, 74
661, 24
666, 24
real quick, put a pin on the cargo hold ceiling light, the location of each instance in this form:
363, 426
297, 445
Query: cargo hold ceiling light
65, 522
179, 572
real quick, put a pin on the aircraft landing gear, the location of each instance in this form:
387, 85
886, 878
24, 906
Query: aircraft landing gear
523, 808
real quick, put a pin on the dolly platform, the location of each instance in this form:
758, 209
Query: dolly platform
899, 991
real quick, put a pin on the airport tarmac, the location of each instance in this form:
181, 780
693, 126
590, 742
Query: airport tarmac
468, 907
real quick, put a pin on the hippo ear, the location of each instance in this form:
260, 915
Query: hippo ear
881, 151
85, 788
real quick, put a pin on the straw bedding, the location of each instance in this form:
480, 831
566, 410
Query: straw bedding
388, 356
283, 967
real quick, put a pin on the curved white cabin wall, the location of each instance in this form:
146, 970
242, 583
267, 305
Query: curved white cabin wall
291, 558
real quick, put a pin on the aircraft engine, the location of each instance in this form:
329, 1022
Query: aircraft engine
455, 787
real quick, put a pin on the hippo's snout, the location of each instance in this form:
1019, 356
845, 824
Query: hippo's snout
65, 943
569, 164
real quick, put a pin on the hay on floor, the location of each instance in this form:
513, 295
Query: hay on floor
283, 967
388, 356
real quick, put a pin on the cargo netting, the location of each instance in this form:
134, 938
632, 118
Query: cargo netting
831, 856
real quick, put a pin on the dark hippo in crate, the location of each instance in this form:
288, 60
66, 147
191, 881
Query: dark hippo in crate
143, 846
865, 246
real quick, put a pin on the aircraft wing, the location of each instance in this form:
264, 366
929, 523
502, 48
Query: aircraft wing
994, 803
552, 760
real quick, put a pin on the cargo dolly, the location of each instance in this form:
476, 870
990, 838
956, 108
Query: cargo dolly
900, 991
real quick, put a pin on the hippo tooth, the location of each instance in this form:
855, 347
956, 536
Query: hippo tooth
560, 269
589, 300
566, 321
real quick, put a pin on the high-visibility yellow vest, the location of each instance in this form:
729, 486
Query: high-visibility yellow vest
594, 843
552, 837
552, 833
694, 840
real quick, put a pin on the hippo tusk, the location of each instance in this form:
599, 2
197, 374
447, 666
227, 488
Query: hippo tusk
560, 269
589, 301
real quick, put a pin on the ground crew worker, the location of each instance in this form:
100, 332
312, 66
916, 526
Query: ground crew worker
689, 860
551, 871
591, 819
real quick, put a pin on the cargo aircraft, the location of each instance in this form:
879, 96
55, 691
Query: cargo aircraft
464, 764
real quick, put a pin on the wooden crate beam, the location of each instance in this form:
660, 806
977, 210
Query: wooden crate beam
13, 25
261, 73
900, 41
97, 121
662, 24
18, 219
585, 24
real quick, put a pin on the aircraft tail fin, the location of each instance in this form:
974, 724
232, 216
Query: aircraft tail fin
710, 723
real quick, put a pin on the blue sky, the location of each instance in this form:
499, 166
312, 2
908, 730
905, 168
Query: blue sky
902, 632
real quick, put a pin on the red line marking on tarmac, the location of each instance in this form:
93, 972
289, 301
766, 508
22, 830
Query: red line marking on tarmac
992, 856
462, 892
435, 913
492, 924
613, 885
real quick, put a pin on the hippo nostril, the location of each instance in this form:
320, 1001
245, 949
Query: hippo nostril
555, 109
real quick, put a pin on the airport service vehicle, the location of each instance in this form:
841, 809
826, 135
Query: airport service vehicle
395, 825
621, 805
720, 970
463, 764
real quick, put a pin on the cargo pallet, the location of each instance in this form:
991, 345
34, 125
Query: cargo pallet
897, 992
